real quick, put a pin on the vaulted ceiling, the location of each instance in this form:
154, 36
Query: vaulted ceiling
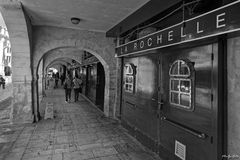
95, 15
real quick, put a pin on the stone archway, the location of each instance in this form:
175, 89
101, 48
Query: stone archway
51, 59
18, 26
59, 61
60, 55
51, 56
50, 38
62, 52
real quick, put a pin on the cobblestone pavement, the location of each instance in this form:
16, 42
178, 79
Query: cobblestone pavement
78, 132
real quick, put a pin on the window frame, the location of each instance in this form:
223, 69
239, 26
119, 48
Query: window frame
131, 75
182, 77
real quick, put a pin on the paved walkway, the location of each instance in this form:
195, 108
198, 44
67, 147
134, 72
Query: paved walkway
78, 132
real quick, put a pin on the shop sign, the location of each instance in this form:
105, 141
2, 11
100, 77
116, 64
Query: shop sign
223, 20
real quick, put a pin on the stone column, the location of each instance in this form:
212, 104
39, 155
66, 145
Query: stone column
35, 99
21, 72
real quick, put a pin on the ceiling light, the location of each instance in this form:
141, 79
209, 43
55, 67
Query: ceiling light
75, 20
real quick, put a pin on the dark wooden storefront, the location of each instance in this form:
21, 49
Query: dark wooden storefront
165, 109
93, 76
174, 86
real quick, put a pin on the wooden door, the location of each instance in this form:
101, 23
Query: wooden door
188, 118
100, 86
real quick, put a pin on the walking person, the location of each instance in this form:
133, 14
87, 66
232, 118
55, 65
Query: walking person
2, 82
62, 79
56, 80
76, 86
68, 89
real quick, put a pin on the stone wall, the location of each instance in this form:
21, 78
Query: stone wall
233, 96
47, 39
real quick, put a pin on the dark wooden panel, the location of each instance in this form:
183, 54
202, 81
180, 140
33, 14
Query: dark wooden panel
128, 113
196, 147
92, 82
140, 107
184, 126
84, 78
201, 57
100, 86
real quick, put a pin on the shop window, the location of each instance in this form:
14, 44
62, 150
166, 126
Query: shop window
129, 78
181, 89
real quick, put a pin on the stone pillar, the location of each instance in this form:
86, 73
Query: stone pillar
40, 81
35, 99
21, 72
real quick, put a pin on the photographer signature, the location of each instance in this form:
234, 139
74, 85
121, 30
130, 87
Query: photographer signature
234, 156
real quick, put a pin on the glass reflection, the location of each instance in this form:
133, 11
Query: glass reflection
185, 86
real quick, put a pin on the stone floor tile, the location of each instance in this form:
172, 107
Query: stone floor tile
48, 157
18, 150
14, 156
140, 156
90, 146
38, 144
123, 156
78, 155
5, 147
113, 157
36, 153
61, 140
57, 156
100, 152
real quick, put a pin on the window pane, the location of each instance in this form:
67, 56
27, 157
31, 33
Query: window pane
174, 98
185, 86
127, 79
130, 88
175, 85
174, 69
126, 87
184, 70
130, 79
185, 100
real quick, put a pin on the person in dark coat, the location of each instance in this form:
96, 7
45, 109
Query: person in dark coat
68, 89
76, 86
2, 82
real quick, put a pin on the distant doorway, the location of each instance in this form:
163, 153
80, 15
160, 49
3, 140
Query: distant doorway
100, 86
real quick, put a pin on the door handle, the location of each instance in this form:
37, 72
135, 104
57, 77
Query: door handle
195, 133
160, 105
161, 102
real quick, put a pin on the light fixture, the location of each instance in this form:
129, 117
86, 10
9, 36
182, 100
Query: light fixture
75, 20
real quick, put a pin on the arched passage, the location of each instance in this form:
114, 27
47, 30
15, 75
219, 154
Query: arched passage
63, 56
49, 38
55, 55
